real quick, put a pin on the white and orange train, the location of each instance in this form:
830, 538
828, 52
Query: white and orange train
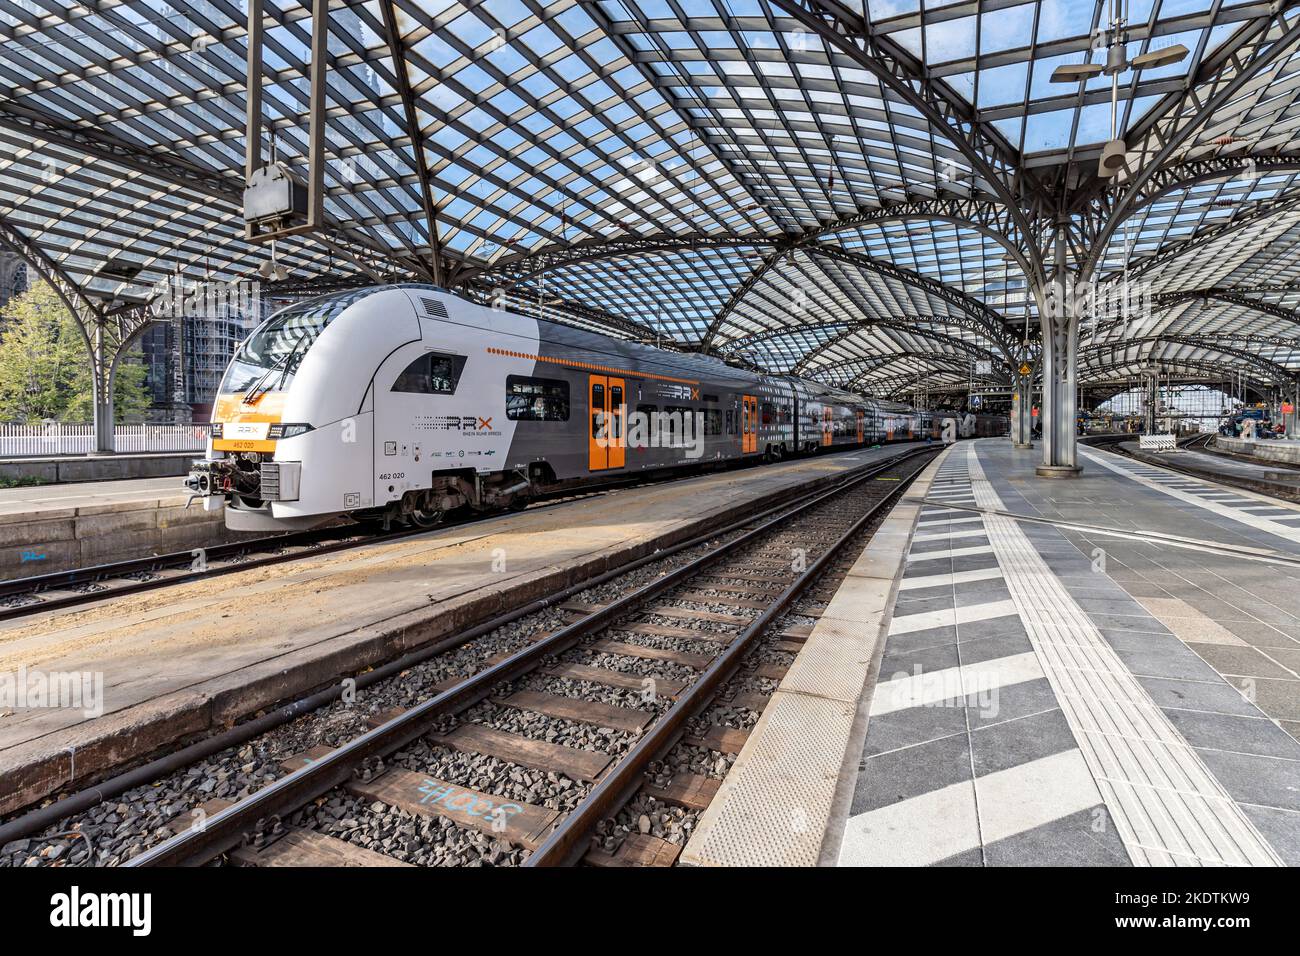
405, 401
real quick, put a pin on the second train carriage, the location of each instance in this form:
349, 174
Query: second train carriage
407, 401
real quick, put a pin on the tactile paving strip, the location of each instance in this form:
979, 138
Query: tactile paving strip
778, 799
1167, 805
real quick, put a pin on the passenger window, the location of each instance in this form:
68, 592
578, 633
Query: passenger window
615, 403
431, 374
597, 408
674, 423
536, 399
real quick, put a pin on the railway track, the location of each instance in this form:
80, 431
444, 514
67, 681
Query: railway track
630, 709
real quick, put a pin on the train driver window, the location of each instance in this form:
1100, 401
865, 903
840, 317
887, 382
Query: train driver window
431, 374
536, 399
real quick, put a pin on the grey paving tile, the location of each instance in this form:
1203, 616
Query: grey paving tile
1129, 622
1159, 663
913, 595
1280, 699
1288, 657
1006, 626
927, 566
1086, 838
1264, 635
902, 660
928, 637
1218, 697
1251, 735
974, 562
969, 593
1281, 828
1013, 742
1117, 605
1003, 644
1240, 661
1265, 781
913, 725
942, 602
1011, 702
888, 778
1139, 589
1144, 641
945, 544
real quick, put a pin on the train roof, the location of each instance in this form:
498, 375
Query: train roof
698, 364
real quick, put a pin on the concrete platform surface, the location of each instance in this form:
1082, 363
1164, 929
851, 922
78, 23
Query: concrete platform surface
1238, 469
1049, 694
47, 528
32, 500
1267, 449
186, 659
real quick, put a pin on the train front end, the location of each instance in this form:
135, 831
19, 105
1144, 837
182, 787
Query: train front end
291, 427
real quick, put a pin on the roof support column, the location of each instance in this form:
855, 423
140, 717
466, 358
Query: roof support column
1153, 403
1059, 317
102, 363
1022, 404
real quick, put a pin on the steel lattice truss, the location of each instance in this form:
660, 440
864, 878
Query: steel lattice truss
857, 192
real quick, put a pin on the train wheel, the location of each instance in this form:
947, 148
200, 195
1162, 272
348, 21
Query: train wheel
425, 517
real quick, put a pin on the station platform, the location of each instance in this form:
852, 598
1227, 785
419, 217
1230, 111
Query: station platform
1256, 475
183, 660
1101, 671
1283, 450
47, 528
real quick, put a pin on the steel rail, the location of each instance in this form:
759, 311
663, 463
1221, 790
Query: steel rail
228, 828
569, 842
33, 821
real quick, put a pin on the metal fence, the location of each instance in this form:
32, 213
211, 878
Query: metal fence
59, 438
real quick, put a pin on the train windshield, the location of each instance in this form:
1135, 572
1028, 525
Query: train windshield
272, 354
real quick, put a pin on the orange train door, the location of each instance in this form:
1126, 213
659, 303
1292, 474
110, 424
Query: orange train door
861, 437
827, 427
617, 438
597, 449
605, 447
749, 425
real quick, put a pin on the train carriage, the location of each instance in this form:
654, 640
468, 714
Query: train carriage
405, 401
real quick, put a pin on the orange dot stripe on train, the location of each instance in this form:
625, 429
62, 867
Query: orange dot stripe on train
590, 366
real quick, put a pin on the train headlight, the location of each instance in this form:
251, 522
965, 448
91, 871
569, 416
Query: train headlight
218, 429
280, 430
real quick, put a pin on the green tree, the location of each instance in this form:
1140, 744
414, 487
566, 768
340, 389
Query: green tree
45, 365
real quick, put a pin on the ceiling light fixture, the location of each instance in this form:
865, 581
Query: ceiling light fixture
1114, 154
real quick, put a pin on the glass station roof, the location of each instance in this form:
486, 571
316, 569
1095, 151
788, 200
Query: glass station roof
819, 195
